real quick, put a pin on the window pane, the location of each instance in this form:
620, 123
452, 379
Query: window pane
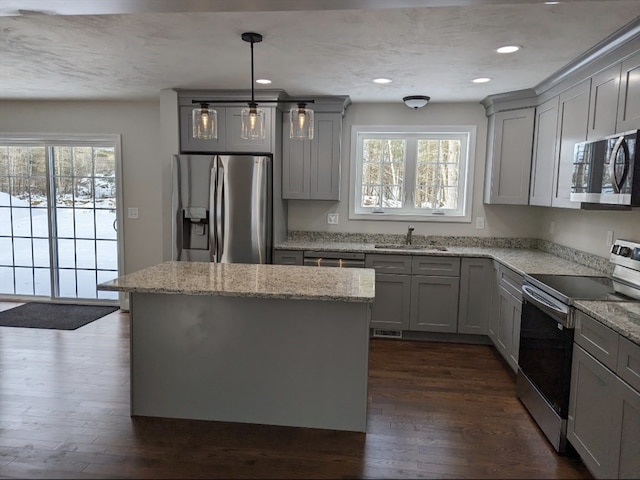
105, 276
105, 189
391, 197
106, 224
86, 283
67, 280
82, 161
85, 253
107, 258
65, 222
22, 252
6, 280
448, 198
370, 173
371, 196
6, 251
40, 252
83, 194
24, 281
392, 174
21, 221
38, 187
42, 282
5, 221
64, 191
84, 223
40, 222
66, 254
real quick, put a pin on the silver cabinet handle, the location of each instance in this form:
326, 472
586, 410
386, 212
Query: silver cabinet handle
213, 248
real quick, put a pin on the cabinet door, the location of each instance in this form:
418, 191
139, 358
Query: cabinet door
494, 316
603, 108
189, 144
325, 157
509, 157
594, 413
233, 137
504, 333
629, 456
516, 313
287, 257
476, 289
391, 307
311, 168
544, 153
296, 165
629, 95
572, 128
434, 304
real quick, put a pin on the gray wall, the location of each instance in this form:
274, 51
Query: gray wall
139, 125
146, 175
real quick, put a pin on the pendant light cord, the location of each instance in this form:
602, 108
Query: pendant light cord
252, 82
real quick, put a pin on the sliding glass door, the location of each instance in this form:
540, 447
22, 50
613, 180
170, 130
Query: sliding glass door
58, 218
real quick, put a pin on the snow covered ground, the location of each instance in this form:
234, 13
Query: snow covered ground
87, 246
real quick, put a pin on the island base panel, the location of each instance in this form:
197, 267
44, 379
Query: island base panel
269, 361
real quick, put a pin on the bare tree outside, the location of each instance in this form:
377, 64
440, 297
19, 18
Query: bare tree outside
383, 173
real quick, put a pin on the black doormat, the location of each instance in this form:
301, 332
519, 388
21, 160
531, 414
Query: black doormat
56, 316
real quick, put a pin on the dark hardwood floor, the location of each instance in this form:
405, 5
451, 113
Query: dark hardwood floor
436, 410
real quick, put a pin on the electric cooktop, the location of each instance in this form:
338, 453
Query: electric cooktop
575, 287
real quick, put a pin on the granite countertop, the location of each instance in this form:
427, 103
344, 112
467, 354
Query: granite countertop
520, 260
623, 317
248, 280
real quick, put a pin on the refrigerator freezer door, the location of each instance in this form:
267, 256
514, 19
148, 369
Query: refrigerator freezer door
191, 207
242, 194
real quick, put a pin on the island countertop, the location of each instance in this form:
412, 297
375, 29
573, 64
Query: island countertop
250, 280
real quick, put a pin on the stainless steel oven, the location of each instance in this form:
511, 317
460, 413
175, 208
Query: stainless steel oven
546, 334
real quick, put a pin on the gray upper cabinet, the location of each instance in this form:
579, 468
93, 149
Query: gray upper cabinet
229, 132
573, 112
509, 142
603, 109
629, 95
311, 169
544, 153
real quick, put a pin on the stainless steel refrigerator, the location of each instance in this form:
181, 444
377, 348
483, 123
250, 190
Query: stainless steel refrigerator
222, 208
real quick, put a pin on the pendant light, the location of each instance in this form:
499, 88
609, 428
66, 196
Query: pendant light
253, 117
205, 122
205, 119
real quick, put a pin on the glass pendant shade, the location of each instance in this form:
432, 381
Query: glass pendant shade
205, 123
301, 122
252, 123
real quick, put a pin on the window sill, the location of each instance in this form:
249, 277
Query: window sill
394, 217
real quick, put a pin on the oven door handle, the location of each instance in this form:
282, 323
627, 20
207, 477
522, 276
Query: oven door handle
558, 312
618, 183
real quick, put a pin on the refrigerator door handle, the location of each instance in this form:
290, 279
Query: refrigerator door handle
213, 247
220, 220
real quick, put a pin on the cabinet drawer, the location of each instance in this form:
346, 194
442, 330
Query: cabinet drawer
440, 266
628, 367
389, 263
510, 281
287, 257
597, 339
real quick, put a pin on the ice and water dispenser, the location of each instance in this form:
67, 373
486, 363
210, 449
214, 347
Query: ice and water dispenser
195, 228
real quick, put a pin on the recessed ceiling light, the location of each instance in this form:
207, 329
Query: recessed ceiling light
481, 80
508, 49
263, 81
382, 81
551, 3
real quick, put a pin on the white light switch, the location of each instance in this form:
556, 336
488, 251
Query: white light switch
480, 223
332, 219
132, 212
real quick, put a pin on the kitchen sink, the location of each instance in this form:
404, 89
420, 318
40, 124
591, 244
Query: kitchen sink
402, 246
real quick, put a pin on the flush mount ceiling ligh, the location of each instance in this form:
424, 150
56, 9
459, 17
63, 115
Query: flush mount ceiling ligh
416, 101
205, 125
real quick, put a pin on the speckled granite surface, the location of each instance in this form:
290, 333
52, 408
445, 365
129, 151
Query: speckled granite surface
623, 317
244, 280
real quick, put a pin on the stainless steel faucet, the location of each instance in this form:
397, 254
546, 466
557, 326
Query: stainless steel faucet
409, 233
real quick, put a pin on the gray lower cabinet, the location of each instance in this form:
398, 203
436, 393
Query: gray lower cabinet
476, 290
604, 409
434, 304
506, 326
287, 257
392, 305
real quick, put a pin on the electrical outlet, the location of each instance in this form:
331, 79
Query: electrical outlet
609, 237
132, 212
332, 219
552, 227
480, 223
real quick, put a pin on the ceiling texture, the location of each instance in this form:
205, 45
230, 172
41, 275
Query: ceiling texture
132, 49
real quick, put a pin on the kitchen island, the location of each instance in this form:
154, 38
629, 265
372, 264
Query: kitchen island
269, 344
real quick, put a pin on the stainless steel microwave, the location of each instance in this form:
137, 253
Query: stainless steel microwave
607, 171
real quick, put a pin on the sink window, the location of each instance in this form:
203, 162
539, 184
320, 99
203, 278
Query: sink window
404, 173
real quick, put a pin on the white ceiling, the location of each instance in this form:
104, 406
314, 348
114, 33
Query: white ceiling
131, 49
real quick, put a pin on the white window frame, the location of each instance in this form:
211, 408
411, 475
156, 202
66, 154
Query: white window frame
410, 134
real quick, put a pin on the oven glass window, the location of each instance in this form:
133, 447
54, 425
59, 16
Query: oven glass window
545, 356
